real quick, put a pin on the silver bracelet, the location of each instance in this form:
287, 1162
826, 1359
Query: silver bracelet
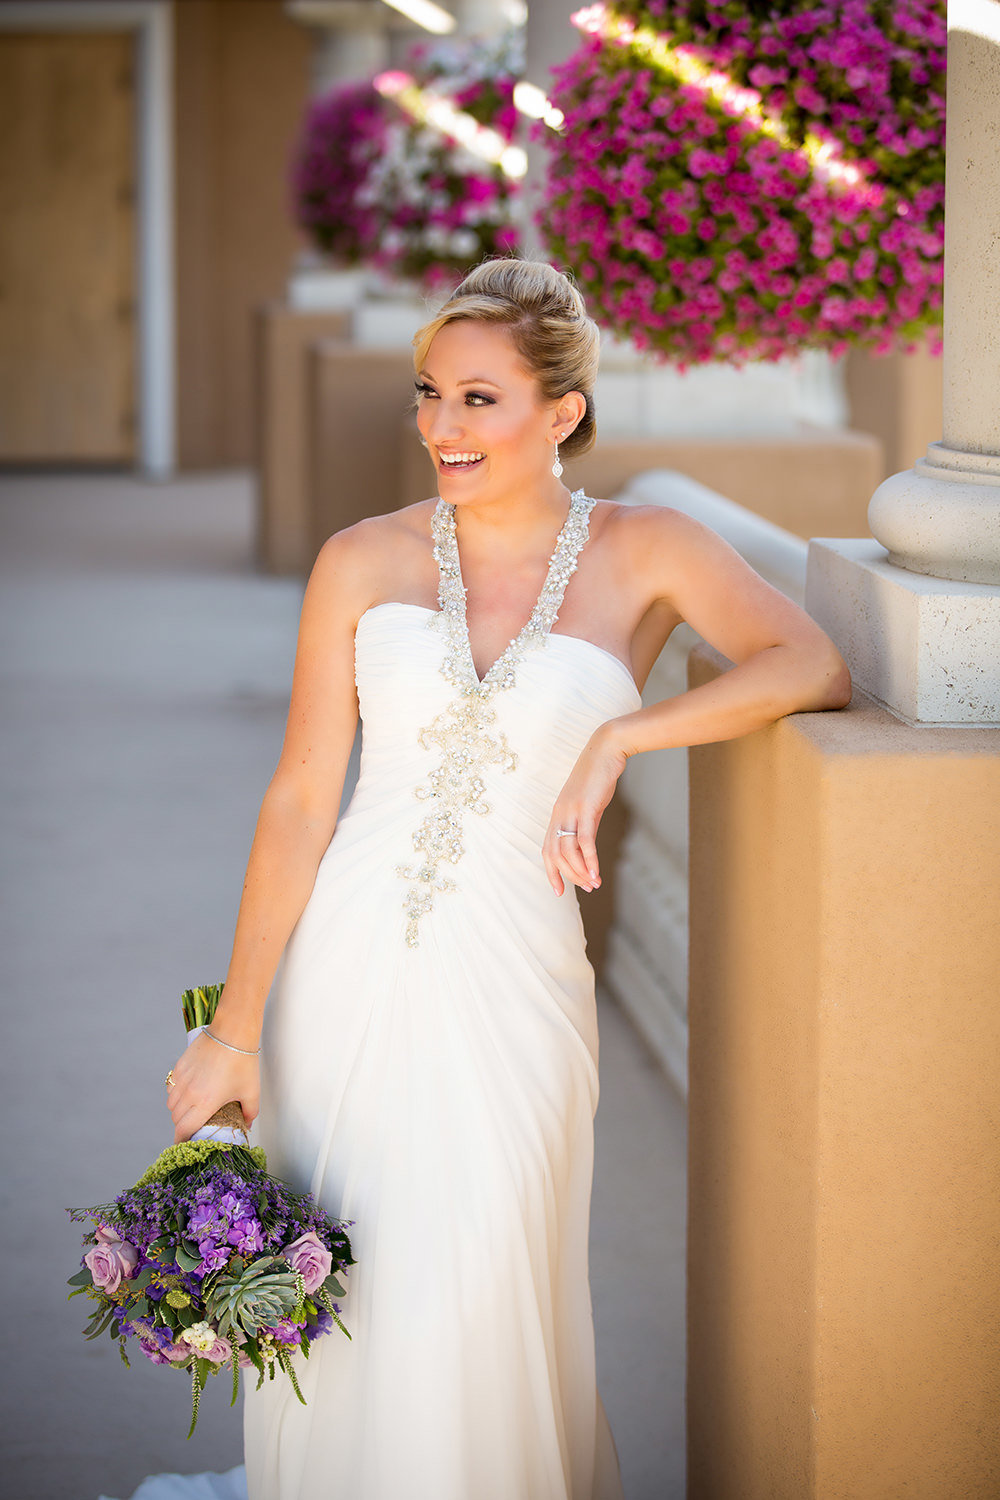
229, 1046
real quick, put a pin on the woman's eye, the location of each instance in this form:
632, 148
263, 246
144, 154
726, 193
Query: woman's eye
476, 398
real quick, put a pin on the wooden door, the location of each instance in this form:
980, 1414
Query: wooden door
67, 248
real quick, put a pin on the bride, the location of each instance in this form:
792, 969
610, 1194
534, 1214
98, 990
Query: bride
430, 1055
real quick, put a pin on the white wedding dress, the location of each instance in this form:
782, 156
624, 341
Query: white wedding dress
431, 1074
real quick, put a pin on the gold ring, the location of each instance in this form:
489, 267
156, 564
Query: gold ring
169, 1080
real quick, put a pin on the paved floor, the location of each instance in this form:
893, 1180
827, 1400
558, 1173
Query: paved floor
144, 671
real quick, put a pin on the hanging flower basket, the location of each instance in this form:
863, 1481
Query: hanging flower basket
749, 180
415, 172
343, 136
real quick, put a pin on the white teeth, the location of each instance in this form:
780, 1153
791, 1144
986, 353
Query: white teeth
460, 458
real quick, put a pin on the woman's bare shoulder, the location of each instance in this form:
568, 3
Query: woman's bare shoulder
641, 522
357, 563
649, 534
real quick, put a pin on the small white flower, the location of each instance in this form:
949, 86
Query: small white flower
200, 1336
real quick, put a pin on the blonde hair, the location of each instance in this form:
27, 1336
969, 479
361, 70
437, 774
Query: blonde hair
548, 324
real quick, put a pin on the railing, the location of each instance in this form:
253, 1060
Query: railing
647, 960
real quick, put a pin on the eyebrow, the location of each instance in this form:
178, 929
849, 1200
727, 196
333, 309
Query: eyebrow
476, 380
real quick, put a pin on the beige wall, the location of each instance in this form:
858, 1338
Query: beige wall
283, 440
897, 398
845, 1118
242, 80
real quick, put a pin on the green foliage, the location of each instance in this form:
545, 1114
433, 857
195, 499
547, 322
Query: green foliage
178, 1160
199, 1005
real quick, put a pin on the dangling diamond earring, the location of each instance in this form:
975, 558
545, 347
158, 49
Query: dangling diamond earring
557, 467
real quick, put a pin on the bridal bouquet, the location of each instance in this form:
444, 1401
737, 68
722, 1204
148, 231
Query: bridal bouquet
209, 1262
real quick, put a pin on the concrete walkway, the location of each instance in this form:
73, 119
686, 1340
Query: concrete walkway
145, 669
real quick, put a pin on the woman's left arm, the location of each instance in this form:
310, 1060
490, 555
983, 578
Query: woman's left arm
783, 663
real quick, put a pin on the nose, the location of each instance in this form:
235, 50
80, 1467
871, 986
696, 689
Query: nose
441, 421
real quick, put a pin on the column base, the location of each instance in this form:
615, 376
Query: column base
942, 517
927, 648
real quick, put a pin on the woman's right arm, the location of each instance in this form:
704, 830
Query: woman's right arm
296, 823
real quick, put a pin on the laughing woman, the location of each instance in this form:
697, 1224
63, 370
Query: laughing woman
430, 1057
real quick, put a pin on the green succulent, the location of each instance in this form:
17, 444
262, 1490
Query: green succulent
255, 1299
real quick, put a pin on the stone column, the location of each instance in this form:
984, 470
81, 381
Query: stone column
350, 38
918, 617
549, 38
483, 17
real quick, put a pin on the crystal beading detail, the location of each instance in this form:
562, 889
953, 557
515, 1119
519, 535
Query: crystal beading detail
466, 732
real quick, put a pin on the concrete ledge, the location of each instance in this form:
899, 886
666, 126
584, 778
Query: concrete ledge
844, 1035
646, 967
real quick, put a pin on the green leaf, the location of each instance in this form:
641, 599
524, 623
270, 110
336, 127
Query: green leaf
102, 1326
186, 1260
82, 1278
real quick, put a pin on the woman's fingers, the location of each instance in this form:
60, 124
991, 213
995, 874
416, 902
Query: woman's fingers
203, 1081
573, 856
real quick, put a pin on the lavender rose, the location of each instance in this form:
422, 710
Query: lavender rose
111, 1259
310, 1258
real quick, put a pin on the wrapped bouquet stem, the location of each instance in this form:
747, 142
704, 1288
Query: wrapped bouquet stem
227, 1124
210, 1263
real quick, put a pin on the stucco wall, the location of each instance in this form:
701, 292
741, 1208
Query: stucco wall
845, 1166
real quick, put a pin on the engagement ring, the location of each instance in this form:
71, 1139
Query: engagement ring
565, 833
169, 1080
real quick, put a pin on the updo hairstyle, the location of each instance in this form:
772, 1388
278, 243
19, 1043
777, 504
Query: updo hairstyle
548, 324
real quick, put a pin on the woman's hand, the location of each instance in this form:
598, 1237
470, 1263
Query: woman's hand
206, 1077
579, 807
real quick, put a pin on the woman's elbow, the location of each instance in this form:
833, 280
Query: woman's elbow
832, 681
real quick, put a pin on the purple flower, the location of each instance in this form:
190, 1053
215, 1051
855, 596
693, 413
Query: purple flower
247, 1236
202, 1221
310, 1257
323, 1324
287, 1331
111, 1260
213, 1256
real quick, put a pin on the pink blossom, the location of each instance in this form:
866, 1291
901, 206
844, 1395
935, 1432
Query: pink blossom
311, 1258
111, 1259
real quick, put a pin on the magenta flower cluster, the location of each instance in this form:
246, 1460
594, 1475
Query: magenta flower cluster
343, 135
379, 178
739, 181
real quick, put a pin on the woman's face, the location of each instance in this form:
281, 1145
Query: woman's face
481, 414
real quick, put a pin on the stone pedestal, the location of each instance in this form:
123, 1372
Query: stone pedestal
928, 648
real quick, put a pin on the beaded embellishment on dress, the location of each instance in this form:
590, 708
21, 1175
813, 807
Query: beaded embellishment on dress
466, 732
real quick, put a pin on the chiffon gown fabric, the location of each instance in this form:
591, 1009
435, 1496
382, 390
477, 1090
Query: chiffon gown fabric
431, 1074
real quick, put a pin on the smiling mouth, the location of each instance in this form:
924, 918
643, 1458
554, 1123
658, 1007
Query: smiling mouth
456, 463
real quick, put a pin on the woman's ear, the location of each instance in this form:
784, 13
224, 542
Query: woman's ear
569, 413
